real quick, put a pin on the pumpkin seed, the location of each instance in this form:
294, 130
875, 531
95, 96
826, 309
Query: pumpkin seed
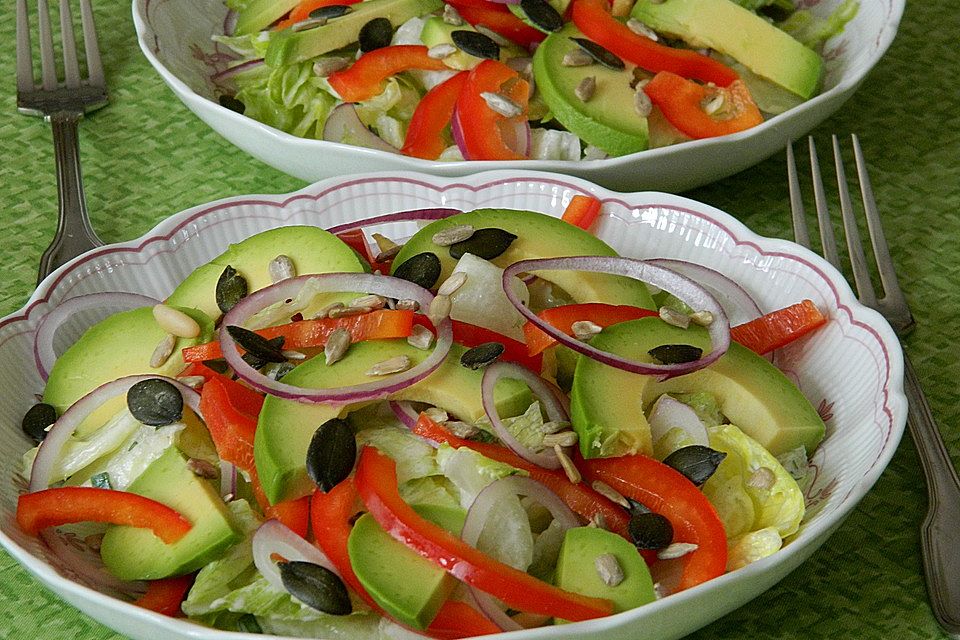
600, 54
248, 624
330, 11
542, 14
316, 586
37, 419
259, 363
649, 530
476, 44
256, 345
231, 103
696, 462
482, 355
331, 454
422, 269
375, 34
487, 243
231, 289
101, 481
676, 353
452, 235
155, 402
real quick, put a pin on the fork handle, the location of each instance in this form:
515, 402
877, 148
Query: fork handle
940, 532
74, 233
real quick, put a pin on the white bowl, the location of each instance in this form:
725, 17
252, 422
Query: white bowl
175, 37
851, 369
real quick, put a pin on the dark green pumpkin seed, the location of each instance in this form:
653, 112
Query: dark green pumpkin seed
155, 402
219, 365
248, 624
258, 346
316, 587
542, 14
422, 269
476, 44
482, 355
696, 462
37, 419
650, 530
331, 454
676, 353
231, 289
232, 103
259, 363
101, 481
330, 12
375, 34
601, 55
487, 243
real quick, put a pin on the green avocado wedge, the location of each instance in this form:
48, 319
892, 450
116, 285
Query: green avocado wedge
538, 236
608, 405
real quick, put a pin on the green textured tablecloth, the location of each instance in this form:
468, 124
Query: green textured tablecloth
146, 156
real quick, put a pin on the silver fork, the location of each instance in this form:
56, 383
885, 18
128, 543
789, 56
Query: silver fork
940, 532
62, 103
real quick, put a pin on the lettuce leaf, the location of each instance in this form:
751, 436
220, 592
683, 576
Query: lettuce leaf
814, 31
414, 457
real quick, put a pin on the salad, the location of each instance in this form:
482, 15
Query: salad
515, 79
515, 428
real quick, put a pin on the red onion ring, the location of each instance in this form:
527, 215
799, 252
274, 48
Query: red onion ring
669, 413
413, 215
236, 69
66, 424
332, 283
274, 537
228, 480
404, 413
343, 122
555, 411
681, 286
725, 290
230, 22
43, 351
479, 513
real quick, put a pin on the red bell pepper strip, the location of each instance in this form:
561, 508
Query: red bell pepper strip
380, 324
582, 211
498, 19
563, 317
302, 11
295, 514
666, 491
593, 19
376, 482
432, 115
356, 239
480, 125
66, 505
165, 596
364, 78
681, 102
778, 328
457, 619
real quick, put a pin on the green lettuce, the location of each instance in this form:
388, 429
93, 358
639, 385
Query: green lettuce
814, 31
414, 457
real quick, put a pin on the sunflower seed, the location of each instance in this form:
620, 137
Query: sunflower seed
202, 468
331, 454
309, 23
476, 44
375, 34
702, 318
501, 104
256, 345
330, 11
405, 304
609, 569
676, 353
436, 414
155, 402
371, 301
641, 29
610, 493
553, 426
493, 35
586, 88
649, 530
674, 318
542, 14
163, 351
676, 550
482, 355
712, 103
420, 337
762, 478
577, 58
276, 370
231, 103
395, 364
452, 235
441, 51
585, 329
451, 16
422, 269
328, 66
462, 429
290, 354
194, 382
452, 284
562, 438
37, 419
336, 346
281, 267
440, 308
231, 288
175, 321
642, 104
325, 311
573, 475
487, 243
346, 312
598, 521
600, 54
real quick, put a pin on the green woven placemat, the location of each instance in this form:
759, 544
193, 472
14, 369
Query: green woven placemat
146, 157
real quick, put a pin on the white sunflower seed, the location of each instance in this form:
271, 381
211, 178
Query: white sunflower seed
642, 104
420, 337
762, 478
676, 550
405, 304
281, 268
576, 58
493, 35
290, 354
641, 29
309, 23
609, 569
371, 301
436, 414
585, 90
712, 103
395, 364
202, 468
175, 322
562, 438
440, 308
345, 312
163, 351
598, 521
453, 235
501, 104
328, 66
674, 318
553, 426
336, 346
702, 318
462, 429
585, 329
573, 475
441, 51
610, 493
451, 16
325, 311
451, 284
193, 382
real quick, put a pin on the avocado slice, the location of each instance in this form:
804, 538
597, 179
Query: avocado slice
133, 553
607, 120
409, 587
538, 236
285, 426
752, 393
260, 14
288, 46
577, 568
311, 249
727, 27
120, 345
